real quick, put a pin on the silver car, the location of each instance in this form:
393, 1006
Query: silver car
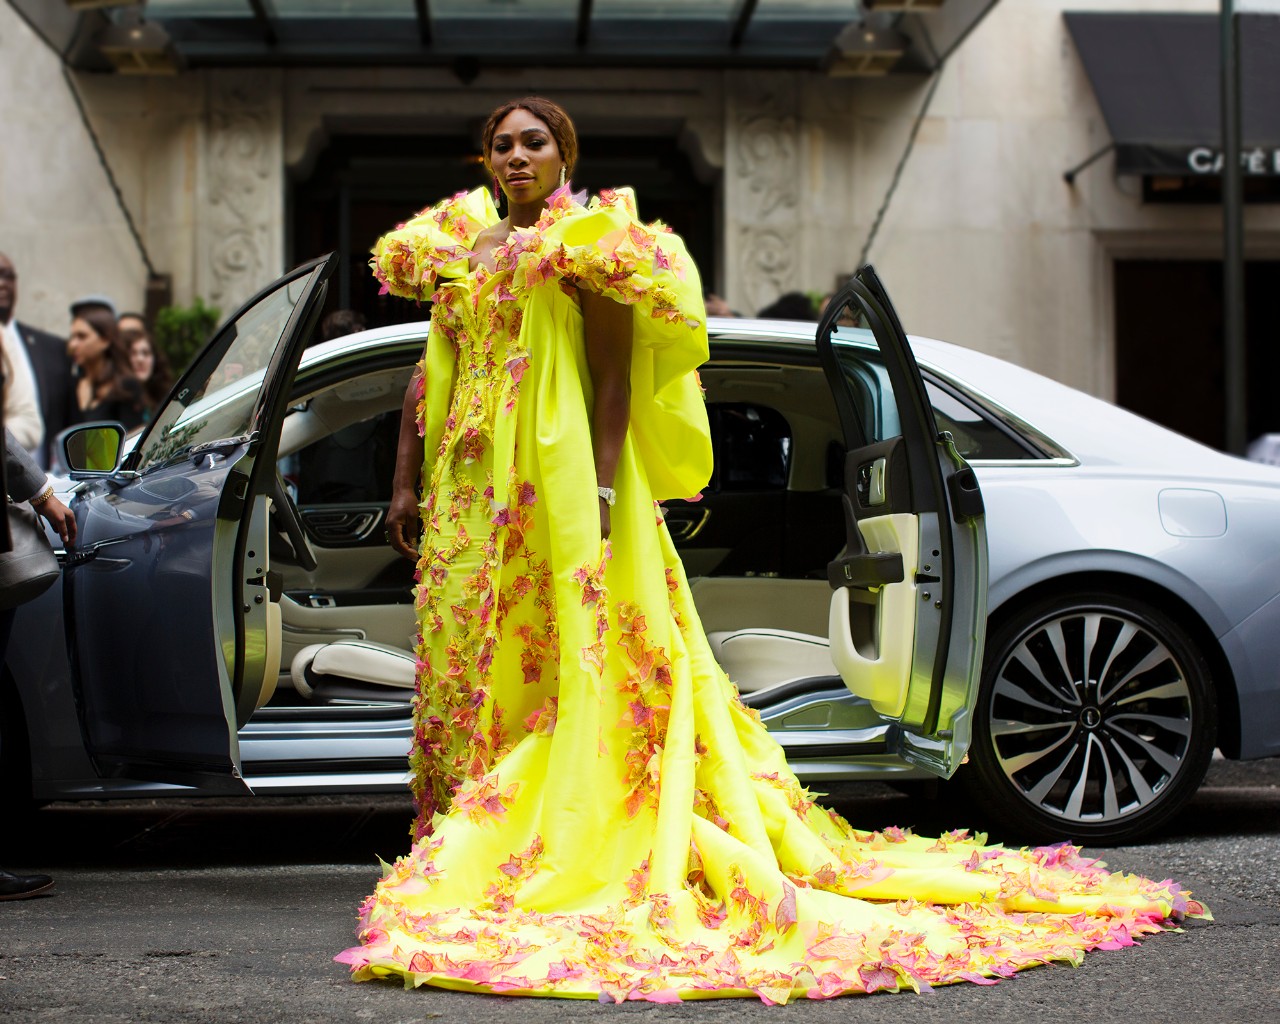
232, 619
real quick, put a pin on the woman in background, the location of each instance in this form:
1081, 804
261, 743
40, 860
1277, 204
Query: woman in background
148, 363
106, 388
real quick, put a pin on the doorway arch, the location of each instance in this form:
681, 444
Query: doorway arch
360, 186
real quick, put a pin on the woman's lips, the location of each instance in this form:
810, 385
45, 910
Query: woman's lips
520, 179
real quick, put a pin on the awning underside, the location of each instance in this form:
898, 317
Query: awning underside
840, 37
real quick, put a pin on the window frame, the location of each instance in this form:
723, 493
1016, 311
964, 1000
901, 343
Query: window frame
1042, 449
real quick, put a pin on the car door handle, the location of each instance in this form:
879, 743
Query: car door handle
69, 559
341, 526
872, 569
871, 483
685, 524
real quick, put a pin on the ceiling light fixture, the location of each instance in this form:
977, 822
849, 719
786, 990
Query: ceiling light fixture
860, 51
136, 46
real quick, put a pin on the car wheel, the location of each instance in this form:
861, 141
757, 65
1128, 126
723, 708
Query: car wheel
1095, 720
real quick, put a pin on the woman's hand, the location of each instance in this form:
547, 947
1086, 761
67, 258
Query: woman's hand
61, 518
605, 524
403, 523
403, 518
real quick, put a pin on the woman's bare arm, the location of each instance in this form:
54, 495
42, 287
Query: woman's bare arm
608, 330
402, 513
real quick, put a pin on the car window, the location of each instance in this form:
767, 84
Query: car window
976, 437
217, 397
869, 381
351, 466
752, 445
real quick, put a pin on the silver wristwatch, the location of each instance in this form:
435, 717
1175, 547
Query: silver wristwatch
609, 494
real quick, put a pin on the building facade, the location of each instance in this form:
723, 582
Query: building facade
951, 182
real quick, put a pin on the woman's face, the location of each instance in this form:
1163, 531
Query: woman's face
525, 158
85, 346
141, 359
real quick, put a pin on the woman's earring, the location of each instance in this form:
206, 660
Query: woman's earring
497, 191
562, 175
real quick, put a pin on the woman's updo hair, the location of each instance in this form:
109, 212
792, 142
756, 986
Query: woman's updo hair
104, 325
551, 114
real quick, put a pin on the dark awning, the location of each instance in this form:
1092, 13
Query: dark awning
168, 36
1157, 80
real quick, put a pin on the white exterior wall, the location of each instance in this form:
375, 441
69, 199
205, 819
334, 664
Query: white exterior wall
983, 243
58, 220
197, 158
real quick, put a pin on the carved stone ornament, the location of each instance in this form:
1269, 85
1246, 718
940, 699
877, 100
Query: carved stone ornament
241, 218
763, 187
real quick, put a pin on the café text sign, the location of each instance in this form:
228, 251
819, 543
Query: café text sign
1259, 160
1183, 161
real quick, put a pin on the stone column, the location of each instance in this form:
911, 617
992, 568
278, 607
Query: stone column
240, 213
762, 187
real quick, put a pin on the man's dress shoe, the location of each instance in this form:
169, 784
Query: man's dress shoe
21, 887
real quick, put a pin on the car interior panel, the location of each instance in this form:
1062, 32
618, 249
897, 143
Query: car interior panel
773, 427
336, 455
759, 582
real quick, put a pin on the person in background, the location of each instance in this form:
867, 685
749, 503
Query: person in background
88, 302
340, 323
147, 362
133, 322
107, 388
717, 305
788, 306
24, 480
41, 392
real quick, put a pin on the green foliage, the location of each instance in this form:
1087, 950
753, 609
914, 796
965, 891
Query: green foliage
182, 331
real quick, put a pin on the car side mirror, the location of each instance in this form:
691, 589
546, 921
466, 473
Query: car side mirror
93, 450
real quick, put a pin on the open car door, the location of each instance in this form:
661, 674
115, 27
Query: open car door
908, 612
174, 632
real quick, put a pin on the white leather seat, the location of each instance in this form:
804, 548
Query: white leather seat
352, 660
755, 659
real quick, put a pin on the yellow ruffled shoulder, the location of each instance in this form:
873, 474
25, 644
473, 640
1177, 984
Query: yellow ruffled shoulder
603, 246
434, 243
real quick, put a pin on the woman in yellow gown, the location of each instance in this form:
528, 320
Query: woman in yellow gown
599, 815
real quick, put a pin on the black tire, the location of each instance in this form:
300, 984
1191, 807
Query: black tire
1095, 722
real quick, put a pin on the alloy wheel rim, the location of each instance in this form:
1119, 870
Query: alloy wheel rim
1091, 716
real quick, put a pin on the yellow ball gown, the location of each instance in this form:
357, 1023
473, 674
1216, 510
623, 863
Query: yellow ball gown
599, 815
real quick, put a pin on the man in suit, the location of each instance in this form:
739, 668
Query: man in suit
22, 480
43, 388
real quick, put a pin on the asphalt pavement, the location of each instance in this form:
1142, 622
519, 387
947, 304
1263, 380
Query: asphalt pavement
227, 911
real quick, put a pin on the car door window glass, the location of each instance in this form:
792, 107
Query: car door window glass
975, 436
869, 381
217, 397
353, 465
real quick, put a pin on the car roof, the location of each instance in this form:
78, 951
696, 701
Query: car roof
1096, 432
